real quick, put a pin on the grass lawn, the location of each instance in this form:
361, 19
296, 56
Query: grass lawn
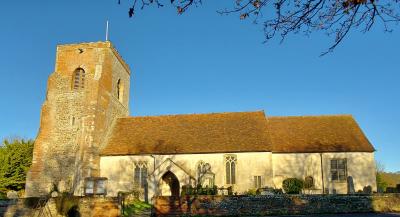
136, 207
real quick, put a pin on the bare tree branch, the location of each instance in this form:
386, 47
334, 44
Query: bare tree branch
285, 17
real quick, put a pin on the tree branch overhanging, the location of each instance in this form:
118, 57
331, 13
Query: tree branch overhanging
281, 18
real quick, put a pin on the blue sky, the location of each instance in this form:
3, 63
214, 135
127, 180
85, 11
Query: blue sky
202, 62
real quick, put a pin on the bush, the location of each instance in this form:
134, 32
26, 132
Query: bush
199, 190
3, 196
292, 185
15, 160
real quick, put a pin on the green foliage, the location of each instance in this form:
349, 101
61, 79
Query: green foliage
292, 185
135, 207
392, 179
199, 190
15, 160
3, 195
381, 183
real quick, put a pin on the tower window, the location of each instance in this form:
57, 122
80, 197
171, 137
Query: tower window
120, 90
78, 80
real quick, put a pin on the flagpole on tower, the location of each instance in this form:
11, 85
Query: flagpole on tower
107, 31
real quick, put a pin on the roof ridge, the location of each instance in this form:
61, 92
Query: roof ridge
193, 114
312, 116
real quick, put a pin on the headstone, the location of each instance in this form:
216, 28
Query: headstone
367, 190
54, 194
267, 193
350, 185
12, 195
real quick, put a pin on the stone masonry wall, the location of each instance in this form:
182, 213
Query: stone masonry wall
275, 205
88, 207
74, 122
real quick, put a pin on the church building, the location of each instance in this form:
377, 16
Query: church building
88, 144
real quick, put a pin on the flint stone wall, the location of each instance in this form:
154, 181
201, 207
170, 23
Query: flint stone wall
275, 205
88, 207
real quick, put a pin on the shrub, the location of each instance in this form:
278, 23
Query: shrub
15, 160
215, 190
199, 190
292, 185
3, 195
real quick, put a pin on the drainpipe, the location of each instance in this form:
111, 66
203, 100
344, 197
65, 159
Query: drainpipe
322, 174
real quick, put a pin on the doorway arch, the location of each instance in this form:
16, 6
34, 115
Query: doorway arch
170, 179
74, 212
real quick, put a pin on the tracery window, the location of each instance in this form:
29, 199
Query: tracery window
230, 168
338, 169
78, 80
140, 174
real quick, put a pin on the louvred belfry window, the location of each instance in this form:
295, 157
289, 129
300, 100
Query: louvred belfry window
120, 90
78, 80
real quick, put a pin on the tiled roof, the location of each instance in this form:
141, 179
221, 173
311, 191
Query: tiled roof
235, 132
193, 133
330, 133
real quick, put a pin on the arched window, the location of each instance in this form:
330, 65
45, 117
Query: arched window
308, 182
120, 90
78, 80
140, 174
230, 164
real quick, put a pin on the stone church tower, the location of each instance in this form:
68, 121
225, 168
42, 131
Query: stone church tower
87, 91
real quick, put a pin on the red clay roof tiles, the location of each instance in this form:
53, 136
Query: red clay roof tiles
235, 132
